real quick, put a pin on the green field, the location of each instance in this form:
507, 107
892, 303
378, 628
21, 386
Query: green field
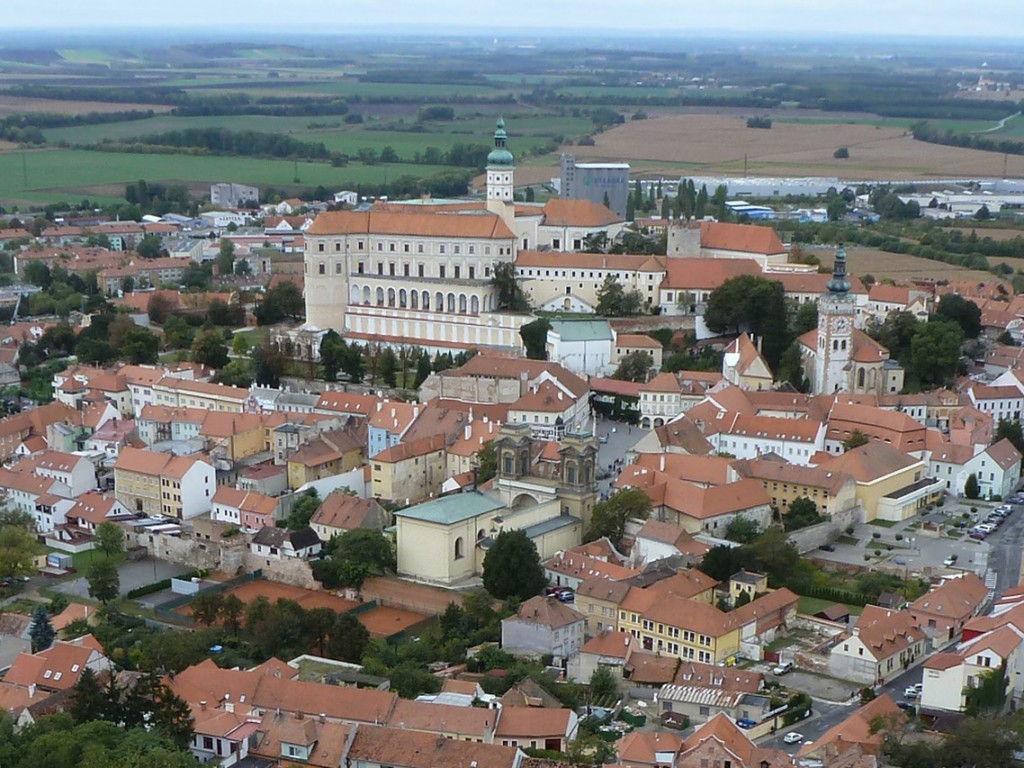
1013, 129
66, 174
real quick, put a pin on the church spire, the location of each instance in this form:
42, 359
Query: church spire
839, 284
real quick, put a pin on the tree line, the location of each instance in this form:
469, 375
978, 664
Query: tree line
924, 131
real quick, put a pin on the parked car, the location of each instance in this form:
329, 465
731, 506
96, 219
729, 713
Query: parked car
567, 595
950, 561
828, 547
783, 668
913, 691
907, 707
793, 737
745, 722
602, 438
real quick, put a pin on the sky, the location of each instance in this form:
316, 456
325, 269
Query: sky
1001, 19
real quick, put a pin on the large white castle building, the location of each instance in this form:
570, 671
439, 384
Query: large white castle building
420, 273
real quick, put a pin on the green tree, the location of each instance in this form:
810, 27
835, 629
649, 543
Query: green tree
281, 301
239, 344
961, 311
802, 512
791, 368
742, 530
1010, 429
303, 510
535, 338
319, 623
486, 462
348, 639
610, 515
615, 301
18, 545
988, 694
512, 567
149, 247
971, 488
90, 700
268, 365
109, 540
206, 607
897, 333
935, 352
511, 296
178, 334
103, 578
755, 305
226, 257
210, 350
231, 611
634, 367
367, 546
389, 367
805, 318
237, 373
332, 354
602, 684
42, 633
855, 440
423, 369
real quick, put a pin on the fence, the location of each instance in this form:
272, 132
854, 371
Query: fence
168, 610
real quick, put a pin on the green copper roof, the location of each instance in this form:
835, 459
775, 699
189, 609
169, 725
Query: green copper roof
500, 154
582, 330
839, 282
451, 509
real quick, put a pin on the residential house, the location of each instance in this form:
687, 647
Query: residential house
31, 423
341, 512
745, 367
701, 691
720, 741
881, 645
859, 731
608, 649
45, 499
329, 453
543, 626
598, 599
647, 749
942, 612
373, 747
248, 510
895, 429
59, 667
77, 473
950, 678
164, 484
411, 471
657, 540
536, 728
182, 393
279, 543
667, 395
750, 437
884, 298
388, 423
630, 343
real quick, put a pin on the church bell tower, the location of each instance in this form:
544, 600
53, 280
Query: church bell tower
501, 177
836, 311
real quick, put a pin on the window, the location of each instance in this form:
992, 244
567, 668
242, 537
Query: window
472, 273
360, 245
337, 268
359, 268
337, 247
320, 247
458, 271
405, 270
391, 247
322, 268
556, 243
419, 270
440, 270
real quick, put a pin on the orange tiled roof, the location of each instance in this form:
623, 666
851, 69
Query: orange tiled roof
432, 224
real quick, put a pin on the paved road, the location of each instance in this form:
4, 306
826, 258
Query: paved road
1005, 547
133, 574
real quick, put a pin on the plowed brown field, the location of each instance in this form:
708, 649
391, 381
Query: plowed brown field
718, 144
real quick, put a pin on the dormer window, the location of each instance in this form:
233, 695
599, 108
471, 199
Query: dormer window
47, 674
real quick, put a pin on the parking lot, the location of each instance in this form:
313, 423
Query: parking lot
134, 574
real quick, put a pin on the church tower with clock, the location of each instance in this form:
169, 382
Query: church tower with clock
836, 311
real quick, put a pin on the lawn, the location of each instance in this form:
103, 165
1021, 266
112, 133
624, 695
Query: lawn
811, 605
73, 174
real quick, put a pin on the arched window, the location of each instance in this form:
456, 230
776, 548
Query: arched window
439, 302
380, 297
391, 297
459, 553
402, 298
414, 299
426, 300
474, 305
570, 473
366, 294
354, 295
462, 303
451, 303
860, 377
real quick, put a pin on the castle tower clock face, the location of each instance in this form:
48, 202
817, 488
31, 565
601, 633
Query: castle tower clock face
841, 325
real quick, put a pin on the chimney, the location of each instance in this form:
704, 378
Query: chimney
323, 718
662, 467
202, 706
299, 715
229, 706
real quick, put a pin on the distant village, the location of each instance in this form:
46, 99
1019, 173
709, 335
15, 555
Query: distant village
724, 556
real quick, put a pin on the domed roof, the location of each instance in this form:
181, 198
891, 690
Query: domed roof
500, 154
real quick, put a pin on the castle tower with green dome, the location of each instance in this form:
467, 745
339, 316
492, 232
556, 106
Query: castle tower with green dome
501, 176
